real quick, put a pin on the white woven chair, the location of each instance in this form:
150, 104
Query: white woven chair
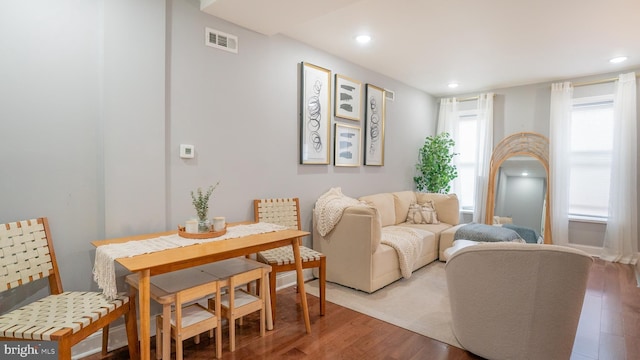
286, 212
26, 255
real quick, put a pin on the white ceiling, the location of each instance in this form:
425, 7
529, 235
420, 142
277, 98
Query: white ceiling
481, 45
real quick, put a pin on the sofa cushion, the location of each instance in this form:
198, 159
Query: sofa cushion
402, 200
385, 205
422, 214
447, 206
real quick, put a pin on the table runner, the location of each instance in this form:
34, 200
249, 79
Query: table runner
104, 273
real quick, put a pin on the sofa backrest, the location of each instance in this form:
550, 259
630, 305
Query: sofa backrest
447, 206
394, 207
385, 205
532, 294
402, 201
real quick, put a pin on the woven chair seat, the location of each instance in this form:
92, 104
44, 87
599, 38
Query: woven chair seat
42, 318
284, 255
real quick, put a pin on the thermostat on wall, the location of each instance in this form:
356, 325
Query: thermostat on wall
186, 151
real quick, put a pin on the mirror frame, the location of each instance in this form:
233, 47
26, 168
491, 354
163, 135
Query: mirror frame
523, 143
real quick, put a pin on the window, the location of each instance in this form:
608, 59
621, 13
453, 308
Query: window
467, 148
591, 143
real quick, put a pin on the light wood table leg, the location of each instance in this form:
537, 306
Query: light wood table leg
166, 332
303, 293
267, 295
145, 314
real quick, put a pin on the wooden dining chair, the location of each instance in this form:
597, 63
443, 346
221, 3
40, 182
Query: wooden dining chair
286, 212
190, 319
26, 255
237, 302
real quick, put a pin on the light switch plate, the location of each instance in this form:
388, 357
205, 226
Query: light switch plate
186, 151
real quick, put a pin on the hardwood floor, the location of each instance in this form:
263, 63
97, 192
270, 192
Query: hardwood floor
610, 321
609, 329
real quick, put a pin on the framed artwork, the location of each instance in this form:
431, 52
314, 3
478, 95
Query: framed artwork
347, 145
315, 114
348, 95
374, 126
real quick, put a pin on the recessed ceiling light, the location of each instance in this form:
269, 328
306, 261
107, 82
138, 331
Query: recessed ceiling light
525, 173
363, 39
453, 85
618, 59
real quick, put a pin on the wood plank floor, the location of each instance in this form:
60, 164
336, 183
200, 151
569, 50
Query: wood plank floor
609, 329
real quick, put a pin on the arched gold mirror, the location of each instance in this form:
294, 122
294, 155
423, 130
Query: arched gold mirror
518, 192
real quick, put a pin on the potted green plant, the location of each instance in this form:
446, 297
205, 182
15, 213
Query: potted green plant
200, 200
435, 164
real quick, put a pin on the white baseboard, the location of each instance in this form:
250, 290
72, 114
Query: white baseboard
118, 334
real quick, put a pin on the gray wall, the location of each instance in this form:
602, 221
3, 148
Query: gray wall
241, 113
97, 97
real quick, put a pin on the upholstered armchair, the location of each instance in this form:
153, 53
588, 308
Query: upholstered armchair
517, 301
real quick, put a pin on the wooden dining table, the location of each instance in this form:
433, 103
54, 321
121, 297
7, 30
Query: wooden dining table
160, 262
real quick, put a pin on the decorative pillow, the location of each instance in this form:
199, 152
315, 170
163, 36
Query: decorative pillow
446, 205
422, 214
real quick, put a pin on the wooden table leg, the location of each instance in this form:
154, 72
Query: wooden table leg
131, 324
145, 314
267, 303
166, 332
303, 293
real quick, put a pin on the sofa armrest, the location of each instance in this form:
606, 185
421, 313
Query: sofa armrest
349, 246
446, 240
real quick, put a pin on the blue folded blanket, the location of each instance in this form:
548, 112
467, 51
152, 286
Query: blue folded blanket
528, 234
483, 232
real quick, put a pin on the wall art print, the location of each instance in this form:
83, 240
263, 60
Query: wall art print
348, 98
347, 145
315, 110
374, 126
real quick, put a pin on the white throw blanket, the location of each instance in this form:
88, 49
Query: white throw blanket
408, 244
104, 273
329, 208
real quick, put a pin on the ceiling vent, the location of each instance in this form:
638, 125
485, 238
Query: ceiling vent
220, 40
389, 94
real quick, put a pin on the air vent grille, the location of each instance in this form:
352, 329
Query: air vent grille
220, 40
389, 94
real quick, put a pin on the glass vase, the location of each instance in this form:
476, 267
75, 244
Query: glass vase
204, 225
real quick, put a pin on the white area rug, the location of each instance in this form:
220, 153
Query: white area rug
419, 304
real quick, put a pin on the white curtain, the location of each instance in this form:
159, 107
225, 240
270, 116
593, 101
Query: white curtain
448, 122
621, 236
560, 120
483, 155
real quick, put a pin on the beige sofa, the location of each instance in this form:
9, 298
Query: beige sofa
357, 258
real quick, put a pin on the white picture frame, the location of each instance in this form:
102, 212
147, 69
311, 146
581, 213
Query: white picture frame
374, 126
315, 114
346, 148
348, 98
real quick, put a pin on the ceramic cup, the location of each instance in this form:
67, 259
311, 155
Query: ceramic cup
218, 223
191, 226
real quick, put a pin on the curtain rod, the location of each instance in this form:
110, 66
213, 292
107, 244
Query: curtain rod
468, 98
595, 82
